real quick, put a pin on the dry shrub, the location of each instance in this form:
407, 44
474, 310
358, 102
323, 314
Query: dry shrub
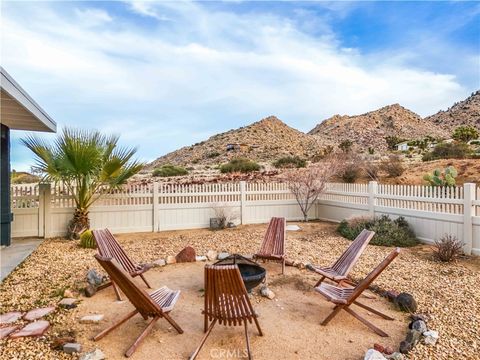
393, 166
448, 248
225, 213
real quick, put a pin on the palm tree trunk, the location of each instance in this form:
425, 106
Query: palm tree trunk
79, 223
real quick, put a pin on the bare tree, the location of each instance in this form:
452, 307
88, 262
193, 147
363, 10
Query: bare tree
309, 183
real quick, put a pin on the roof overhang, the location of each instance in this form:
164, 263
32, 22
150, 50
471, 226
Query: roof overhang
19, 111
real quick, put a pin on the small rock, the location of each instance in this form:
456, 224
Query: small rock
212, 255
395, 356
223, 255
97, 354
159, 262
373, 354
5, 331
89, 319
302, 265
406, 302
248, 256
431, 337
94, 278
200, 258
68, 303
57, 343
90, 290
405, 347
391, 295
36, 328
171, 260
379, 347
388, 350
71, 348
292, 228
266, 292
36, 314
10, 317
418, 325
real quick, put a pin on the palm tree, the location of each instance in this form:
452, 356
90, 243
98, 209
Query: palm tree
88, 163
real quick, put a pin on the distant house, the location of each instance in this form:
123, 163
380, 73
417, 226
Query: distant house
403, 146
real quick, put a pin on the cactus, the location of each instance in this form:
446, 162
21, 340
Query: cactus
439, 178
87, 240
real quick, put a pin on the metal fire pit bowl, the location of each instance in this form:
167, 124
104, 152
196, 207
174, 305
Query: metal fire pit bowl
252, 273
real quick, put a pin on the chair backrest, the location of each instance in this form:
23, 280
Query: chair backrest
137, 296
349, 258
365, 283
226, 298
274, 240
109, 247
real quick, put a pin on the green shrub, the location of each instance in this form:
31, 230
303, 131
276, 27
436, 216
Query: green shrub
239, 165
213, 154
454, 150
290, 162
345, 145
87, 240
170, 170
465, 133
388, 232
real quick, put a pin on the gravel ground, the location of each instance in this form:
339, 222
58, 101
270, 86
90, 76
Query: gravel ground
447, 293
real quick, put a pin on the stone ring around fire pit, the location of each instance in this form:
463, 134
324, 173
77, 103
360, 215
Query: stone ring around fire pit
252, 273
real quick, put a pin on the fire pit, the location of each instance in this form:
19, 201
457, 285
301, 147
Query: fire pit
252, 273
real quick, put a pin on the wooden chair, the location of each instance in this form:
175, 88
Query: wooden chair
156, 305
344, 297
226, 301
339, 271
109, 247
273, 245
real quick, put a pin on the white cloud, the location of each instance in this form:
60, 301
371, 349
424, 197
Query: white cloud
93, 17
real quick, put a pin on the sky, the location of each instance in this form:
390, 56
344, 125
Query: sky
164, 75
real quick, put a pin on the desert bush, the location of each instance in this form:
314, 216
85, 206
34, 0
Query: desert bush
226, 214
290, 162
371, 170
170, 170
448, 248
345, 145
465, 133
213, 154
388, 232
393, 166
350, 172
87, 240
371, 150
454, 150
239, 165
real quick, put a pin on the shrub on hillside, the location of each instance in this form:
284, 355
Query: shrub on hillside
465, 133
448, 248
393, 166
388, 232
290, 162
170, 170
213, 154
345, 145
24, 178
239, 165
350, 172
454, 150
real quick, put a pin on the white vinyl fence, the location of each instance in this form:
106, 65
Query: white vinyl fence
44, 211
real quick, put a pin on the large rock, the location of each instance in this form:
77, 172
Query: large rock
431, 337
36, 314
406, 302
36, 328
418, 325
94, 278
373, 354
186, 255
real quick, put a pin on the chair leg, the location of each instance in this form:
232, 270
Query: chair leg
117, 291
195, 353
141, 337
248, 341
114, 326
205, 323
260, 332
173, 323
335, 311
373, 310
366, 322
320, 281
145, 281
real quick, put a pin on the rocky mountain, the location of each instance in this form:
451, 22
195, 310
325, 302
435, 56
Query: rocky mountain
370, 129
466, 112
262, 141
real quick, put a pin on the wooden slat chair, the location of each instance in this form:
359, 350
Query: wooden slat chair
226, 302
156, 305
109, 247
344, 297
273, 245
339, 271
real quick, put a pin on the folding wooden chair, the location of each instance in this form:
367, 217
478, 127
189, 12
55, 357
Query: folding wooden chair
109, 247
344, 297
226, 301
156, 305
339, 271
273, 245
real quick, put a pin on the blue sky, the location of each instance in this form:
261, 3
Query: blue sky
169, 74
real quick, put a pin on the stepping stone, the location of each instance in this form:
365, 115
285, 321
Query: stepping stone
88, 319
36, 314
68, 303
36, 328
4, 332
10, 317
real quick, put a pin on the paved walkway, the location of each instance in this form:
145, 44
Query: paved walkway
13, 255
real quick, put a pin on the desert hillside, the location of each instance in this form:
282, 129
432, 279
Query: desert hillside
370, 129
466, 112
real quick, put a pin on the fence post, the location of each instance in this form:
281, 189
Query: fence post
468, 213
372, 193
155, 205
243, 200
44, 211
